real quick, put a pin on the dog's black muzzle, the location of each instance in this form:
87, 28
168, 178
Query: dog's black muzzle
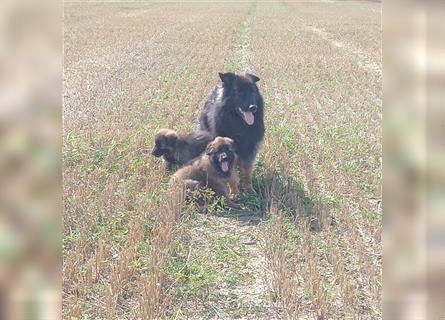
223, 157
157, 152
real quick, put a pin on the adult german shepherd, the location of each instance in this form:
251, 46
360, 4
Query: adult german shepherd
235, 109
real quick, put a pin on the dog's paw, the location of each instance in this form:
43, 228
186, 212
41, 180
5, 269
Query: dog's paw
168, 166
233, 205
249, 189
233, 196
191, 184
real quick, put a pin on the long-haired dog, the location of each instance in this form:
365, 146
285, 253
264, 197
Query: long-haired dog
178, 149
213, 169
234, 109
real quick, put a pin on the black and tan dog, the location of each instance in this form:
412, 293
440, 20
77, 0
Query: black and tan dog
234, 109
214, 169
178, 149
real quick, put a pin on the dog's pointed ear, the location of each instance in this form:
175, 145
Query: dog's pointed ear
227, 78
210, 148
252, 77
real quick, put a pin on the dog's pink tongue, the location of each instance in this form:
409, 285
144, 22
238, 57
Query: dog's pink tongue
249, 118
225, 166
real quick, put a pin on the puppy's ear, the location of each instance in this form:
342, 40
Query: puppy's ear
210, 148
172, 139
231, 143
252, 77
227, 78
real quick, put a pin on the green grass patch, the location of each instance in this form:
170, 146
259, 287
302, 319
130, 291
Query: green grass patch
199, 271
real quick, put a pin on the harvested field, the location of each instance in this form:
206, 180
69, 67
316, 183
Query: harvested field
308, 244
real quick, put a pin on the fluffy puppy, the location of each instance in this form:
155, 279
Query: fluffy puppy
214, 169
178, 149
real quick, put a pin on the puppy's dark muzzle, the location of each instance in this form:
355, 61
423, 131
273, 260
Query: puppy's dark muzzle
223, 157
253, 108
156, 152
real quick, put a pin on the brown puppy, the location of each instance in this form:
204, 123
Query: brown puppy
214, 169
178, 149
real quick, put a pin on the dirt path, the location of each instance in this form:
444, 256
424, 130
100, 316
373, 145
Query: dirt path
227, 253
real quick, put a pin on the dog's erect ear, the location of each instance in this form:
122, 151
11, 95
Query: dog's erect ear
227, 78
252, 77
210, 148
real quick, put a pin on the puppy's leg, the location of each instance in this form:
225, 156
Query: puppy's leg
221, 191
233, 205
191, 184
192, 187
168, 165
233, 184
230, 202
246, 177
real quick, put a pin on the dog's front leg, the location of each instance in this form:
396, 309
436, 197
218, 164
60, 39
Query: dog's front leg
246, 177
233, 184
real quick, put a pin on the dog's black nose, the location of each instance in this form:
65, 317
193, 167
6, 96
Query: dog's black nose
156, 152
253, 108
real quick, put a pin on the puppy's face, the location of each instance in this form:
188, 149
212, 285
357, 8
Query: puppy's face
165, 142
222, 155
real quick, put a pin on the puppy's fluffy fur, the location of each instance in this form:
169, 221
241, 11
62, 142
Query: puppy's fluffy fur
177, 148
214, 169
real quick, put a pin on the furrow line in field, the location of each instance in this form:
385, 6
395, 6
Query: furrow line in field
362, 61
239, 60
